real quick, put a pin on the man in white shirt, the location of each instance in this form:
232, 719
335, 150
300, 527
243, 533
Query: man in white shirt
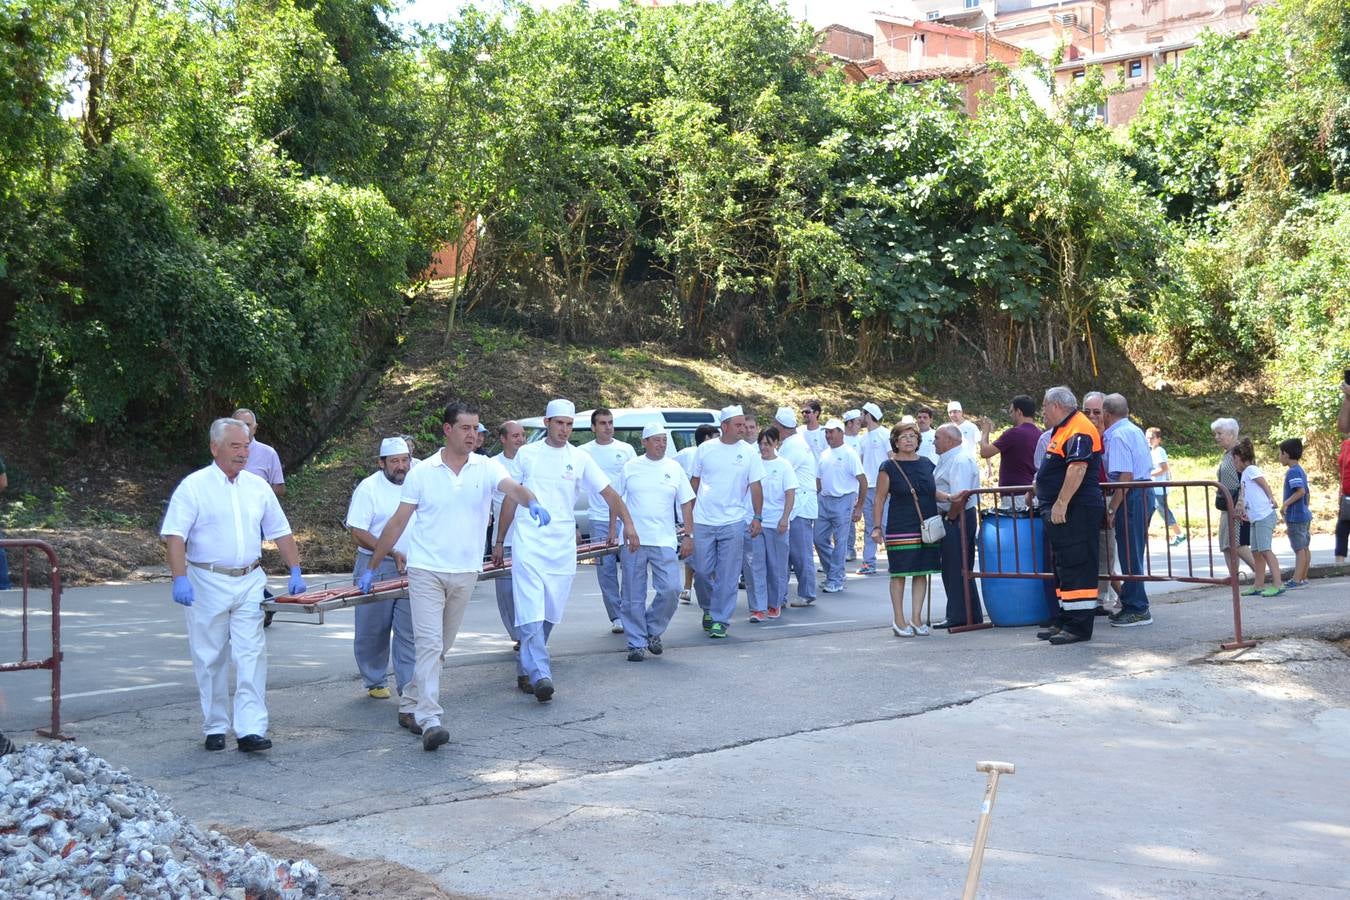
874, 449
811, 430
956, 474
652, 487
611, 456
685, 458
213, 532
970, 432
512, 437
373, 503
1128, 458
853, 437
724, 470
927, 448
805, 508
545, 556
451, 492
843, 488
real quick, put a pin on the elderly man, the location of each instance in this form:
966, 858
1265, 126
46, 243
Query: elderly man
843, 491
1068, 485
451, 493
1106, 537
1016, 447
213, 532
263, 460
805, 506
956, 475
651, 486
874, 448
1128, 458
545, 560
611, 456
724, 470
373, 504
970, 432
511, 435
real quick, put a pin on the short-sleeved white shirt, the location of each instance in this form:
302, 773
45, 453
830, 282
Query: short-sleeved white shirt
452, 512
685, 458
970, 437
874, 450
839, 471
264, 462
928, 445
779, 478
611, 458
512, 466
814, 439
725, 472
798, 454
222, 521
1254, 500
373, 504
653, 489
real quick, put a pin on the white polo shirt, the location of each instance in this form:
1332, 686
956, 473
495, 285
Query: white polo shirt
779, 478
725, 472
374, 503
611, 458
798, 454
970, 437
452, 512
839, 471
512, 466
653, 489
928, 445
874, 451
814, 439
222, 521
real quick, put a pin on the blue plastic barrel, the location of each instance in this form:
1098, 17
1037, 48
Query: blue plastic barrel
1013, 541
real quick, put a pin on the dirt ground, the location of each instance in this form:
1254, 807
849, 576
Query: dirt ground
352, 878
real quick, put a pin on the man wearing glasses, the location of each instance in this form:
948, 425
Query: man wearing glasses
811, 430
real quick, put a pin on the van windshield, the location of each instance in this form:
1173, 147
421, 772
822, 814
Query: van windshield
680, 437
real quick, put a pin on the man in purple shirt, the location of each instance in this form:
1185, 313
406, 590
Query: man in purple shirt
263, 460
1016, 446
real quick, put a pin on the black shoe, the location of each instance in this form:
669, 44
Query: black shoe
267, 618
654, 646
215, 742
515, 648
944, 624
1067, 637
1101, 611
635, 654
543, 690
523, 682
434, 737
406, 720
252, 743
1048, 633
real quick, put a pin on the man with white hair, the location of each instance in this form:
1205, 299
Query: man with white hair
213, 532
545, 560
651, 486
1128, 458
970, 432
874, 449
451, 493
511, 435
724, 470
1068, 485
956, 475
805, 507
843, 488
373, 504
611, 456
263, 459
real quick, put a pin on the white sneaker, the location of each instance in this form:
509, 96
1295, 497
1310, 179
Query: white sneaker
616, 626
684, 596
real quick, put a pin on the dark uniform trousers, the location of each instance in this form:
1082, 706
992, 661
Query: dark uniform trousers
1076, 552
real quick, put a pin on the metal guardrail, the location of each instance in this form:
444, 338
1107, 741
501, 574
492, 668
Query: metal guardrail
1199, 568
52, 662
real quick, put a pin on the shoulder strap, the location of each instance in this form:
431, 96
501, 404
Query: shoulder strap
913, 494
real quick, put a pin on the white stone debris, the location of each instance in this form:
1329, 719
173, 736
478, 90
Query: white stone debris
72, 826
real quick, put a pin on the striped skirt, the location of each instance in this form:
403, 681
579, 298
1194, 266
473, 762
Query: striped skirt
907, 554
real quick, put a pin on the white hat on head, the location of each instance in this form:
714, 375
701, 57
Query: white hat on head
953, 406
730, 412
834, 425
560, 407
654, 429
852, 414
872, 410
785, 417
394, 446
482, 429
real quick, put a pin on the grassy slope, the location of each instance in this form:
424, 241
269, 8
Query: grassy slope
512, 375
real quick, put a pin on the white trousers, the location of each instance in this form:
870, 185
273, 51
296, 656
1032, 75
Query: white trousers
224, 624
438, 601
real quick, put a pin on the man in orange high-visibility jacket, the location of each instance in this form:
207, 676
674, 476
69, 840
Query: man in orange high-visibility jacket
1072, 512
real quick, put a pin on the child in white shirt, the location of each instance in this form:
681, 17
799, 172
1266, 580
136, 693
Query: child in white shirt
1256, 504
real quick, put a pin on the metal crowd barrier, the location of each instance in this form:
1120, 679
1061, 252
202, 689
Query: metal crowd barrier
1187, 566
52, 662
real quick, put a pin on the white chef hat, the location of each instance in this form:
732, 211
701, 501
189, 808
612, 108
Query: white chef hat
785, 417
852, 414
654, 429
560, 407
953, 406
393, 446
730, 412
834, 425
872, 410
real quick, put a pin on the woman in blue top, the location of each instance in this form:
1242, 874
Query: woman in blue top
907, 480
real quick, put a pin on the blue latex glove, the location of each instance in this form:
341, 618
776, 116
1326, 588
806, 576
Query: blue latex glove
538, 513
182, 590
296, 586
366, 581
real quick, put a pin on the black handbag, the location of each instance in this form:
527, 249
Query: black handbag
1221, 501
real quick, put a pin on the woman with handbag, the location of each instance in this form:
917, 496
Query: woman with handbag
913, 529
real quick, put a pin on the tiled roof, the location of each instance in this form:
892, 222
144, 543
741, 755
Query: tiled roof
944, 73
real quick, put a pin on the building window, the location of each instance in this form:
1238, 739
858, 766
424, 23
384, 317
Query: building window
1081, 73
972, 4
1136, 68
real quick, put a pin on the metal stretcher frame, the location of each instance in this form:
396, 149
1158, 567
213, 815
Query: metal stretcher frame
324, 600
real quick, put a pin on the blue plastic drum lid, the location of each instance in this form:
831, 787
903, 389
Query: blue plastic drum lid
1014, 542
